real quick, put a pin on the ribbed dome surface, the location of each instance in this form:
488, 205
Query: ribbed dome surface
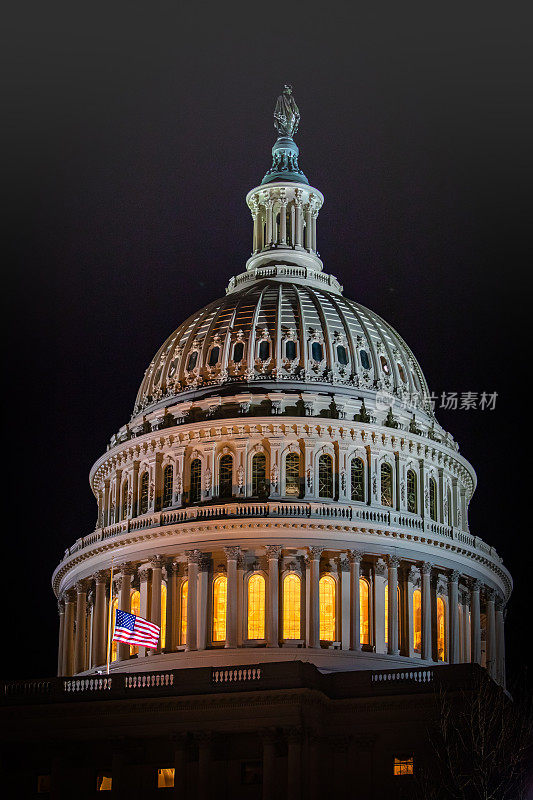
283, 332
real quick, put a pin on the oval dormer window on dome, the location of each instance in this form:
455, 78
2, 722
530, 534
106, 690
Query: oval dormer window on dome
191, 363
264, 350
290, 350
342, 355
213, 356
238, 352
317, 352
401, 372
365, 361
384, 365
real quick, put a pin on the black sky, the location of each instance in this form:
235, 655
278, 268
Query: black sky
130, 141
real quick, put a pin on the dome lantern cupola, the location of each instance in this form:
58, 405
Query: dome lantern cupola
285, 207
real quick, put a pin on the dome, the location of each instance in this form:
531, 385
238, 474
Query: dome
279, 331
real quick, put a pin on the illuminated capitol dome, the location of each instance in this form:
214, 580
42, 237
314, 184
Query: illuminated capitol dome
283, 486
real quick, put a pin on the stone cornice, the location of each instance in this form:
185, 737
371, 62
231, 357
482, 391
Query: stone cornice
428, 546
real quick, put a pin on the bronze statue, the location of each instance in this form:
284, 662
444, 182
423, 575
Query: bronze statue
286, 113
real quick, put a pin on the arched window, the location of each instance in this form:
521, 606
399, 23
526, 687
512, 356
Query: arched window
386, 484
417, 621
342, 355
291, 606
114, 645
364, 610
135, 608
449, 506
432, 498
441, 630
143, 504
326, 593
191, 363
412, 504
401, 372
387, 613
220, 586
163, 633
213, 356
258, 474
124, 501
264, 350
292, 475
256, 607
325, 475
290, 350
183, 612
317, 352
225, 476
238, 352
168, 479
365, 361
384, 365
358, 480
196, 480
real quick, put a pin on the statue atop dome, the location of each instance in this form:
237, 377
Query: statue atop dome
286, 113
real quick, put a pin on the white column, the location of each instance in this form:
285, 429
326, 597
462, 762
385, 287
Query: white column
426, 611
99, 655
475, 622
298, 239
380, 569
155, 610
467, 647
240, 601
344, 578
203, 599
171, 619
61, 612
294, 764
411, 577
232, 554
124, 600
453, 603
491, 633
193, 559
308, 228
500, 642
283, 221
273, 553
392, 588
68, 632
144, 592
81, 626
314, 596
269, 232
355, 556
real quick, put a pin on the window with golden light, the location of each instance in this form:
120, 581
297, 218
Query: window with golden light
326, 591
441, 629
163, 614
364, 610
256, 607
220, 586
135, 608
403, 766
183, 612
417, 620
291, 606
104, 783
292, 475
165, 777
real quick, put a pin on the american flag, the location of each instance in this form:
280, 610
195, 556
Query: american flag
135, 630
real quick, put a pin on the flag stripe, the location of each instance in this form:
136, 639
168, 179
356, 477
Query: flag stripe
135, 630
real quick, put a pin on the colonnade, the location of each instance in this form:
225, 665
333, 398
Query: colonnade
383, 604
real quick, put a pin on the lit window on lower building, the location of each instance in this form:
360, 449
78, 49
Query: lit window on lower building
251, 773
165, 778
43, 784
403, 766
104, 783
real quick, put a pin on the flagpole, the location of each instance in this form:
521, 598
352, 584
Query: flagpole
110, 615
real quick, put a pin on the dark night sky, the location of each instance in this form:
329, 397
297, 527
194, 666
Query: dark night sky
131, 139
